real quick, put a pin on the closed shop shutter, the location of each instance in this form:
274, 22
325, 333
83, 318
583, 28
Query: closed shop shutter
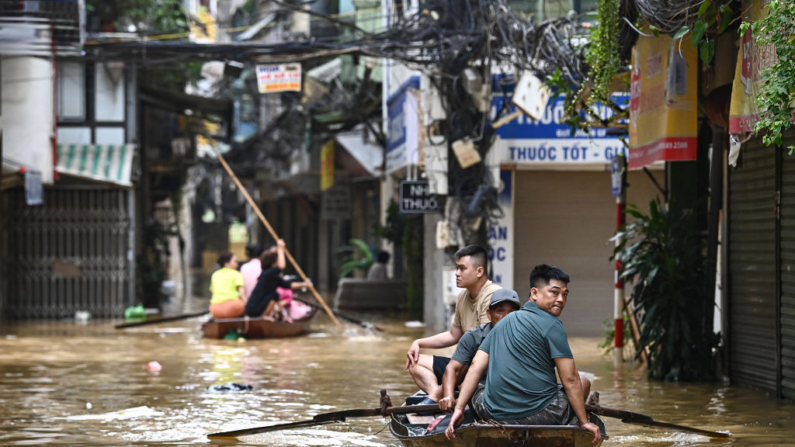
787, 322
752, 268
566, 218
67, 255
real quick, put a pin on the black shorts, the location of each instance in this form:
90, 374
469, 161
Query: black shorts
439, 365
558, 412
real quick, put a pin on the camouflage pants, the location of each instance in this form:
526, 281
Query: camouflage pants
556, 413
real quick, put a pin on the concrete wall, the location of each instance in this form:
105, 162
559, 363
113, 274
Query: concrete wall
27, 113
434, 313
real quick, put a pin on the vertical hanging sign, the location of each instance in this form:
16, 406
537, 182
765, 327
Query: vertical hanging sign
501, 234
327, 165
663, 106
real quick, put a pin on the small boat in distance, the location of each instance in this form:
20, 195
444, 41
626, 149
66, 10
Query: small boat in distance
258, 327
481, 434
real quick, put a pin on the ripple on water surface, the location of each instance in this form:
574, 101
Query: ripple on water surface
62, 384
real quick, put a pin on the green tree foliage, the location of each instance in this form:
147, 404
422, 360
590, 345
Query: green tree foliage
148, 16
777, 92
603, 53
712, 20
351, 261
663, 256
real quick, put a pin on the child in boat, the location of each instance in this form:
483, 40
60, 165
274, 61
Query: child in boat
226, 285
264, 300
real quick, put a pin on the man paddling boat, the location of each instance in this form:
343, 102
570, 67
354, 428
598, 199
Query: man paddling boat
470, 312
521, 354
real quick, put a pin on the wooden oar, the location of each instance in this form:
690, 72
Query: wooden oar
339, 416
276, 237
348, 318
327, 418
628, 417
161, 320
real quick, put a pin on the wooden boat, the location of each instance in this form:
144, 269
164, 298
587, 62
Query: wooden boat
258, 328
480, 434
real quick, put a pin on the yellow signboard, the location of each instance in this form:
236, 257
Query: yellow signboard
205, 30
751, 60
327, 165
663, 107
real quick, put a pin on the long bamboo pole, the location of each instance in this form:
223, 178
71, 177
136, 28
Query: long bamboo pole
276, 237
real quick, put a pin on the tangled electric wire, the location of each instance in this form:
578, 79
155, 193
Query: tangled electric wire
441, 38
669, 16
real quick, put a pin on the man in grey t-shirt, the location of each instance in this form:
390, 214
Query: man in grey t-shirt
503, 302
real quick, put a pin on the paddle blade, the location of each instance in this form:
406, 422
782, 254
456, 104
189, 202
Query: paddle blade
698, 431
326, 418
269, 428
628, 417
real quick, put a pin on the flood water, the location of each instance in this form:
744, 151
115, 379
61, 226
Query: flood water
63, 383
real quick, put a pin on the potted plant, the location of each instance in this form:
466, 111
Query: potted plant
663, 256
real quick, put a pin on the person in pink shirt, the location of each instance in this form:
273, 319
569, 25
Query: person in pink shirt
253, 268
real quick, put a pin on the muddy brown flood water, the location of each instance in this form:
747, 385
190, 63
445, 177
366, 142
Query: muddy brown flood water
65, 384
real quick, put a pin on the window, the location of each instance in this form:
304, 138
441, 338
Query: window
109, 99
109, 135
549, 9
71, 91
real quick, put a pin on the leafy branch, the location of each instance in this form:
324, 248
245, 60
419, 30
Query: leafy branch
711, 20
777, 81
603, 53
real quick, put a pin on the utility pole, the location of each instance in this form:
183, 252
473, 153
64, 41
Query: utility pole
618, 173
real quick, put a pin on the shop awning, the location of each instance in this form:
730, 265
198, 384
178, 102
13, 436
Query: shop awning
105, 163
360, 158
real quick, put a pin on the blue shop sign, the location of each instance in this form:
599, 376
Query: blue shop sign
401, 142
550, 141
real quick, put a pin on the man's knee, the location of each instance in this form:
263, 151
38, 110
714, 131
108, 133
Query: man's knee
418, 370
586, 386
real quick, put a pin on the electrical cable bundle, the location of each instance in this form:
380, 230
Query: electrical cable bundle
669, 16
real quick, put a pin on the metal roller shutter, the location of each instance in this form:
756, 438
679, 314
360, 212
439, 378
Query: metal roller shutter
752, 268
565, 218
67, 255
787, 313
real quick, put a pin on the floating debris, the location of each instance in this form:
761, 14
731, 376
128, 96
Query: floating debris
230, 388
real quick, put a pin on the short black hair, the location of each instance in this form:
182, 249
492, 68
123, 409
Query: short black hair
475, 252
544, 273
224, 257
268, 258
383, 257
253, 250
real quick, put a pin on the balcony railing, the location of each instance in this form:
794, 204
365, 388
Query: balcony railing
41, 27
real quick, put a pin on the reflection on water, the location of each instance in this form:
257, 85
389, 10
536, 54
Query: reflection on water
66, 384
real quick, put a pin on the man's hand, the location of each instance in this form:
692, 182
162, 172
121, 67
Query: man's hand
413, 355
597, 435
457, 419
447, 404
281, 243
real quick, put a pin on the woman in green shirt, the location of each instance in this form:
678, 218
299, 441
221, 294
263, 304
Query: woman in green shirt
227, 287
